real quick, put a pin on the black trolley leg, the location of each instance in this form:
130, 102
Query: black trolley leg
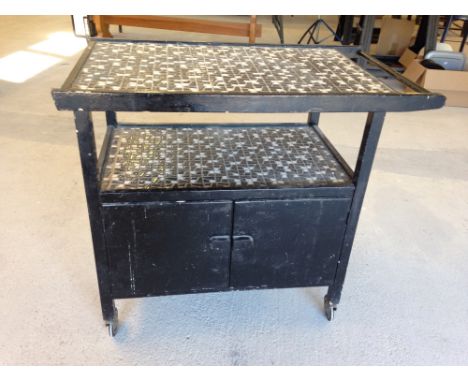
313, 118
365, 159
87, 147
111, 118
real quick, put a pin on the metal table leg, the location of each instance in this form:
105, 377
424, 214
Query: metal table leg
365, 38
431, 36
278, 23
366, 155
87, 147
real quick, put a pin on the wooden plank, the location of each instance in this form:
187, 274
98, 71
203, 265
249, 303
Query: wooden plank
102, 27
183, 24
252, 29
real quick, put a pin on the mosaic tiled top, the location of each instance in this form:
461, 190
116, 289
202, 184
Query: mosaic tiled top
184, 68
219, 158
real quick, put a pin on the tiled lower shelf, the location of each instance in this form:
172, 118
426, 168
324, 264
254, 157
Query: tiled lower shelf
219, 157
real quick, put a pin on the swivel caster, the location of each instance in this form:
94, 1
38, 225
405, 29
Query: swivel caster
330, 309
113, 324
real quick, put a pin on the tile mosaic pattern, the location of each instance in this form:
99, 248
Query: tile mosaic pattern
219, 158
179, 68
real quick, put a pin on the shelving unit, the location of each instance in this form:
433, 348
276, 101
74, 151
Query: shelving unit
210, 207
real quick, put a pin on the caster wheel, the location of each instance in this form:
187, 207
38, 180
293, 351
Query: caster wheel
113, 324
330, 310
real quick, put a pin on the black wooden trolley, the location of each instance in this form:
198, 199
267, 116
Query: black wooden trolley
207, 207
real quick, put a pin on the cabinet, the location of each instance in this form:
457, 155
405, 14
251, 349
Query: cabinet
190, 208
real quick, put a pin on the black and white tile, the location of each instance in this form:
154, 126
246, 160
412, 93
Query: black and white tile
183, 68
219, 158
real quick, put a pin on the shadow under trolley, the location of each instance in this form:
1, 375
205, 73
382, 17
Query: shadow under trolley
188, 208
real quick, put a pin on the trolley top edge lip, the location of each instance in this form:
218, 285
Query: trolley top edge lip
246, 103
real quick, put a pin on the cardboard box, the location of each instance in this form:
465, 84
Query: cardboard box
407, 57
395, 36
452, 84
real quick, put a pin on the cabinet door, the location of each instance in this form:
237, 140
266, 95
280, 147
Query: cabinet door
287, 243
165, 248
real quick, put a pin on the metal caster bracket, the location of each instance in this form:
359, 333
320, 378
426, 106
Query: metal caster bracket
330, 309
112, 325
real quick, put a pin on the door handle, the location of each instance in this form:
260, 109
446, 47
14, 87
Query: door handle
247, 239
218, 240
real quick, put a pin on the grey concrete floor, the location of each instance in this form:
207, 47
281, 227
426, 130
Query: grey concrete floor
404, 302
